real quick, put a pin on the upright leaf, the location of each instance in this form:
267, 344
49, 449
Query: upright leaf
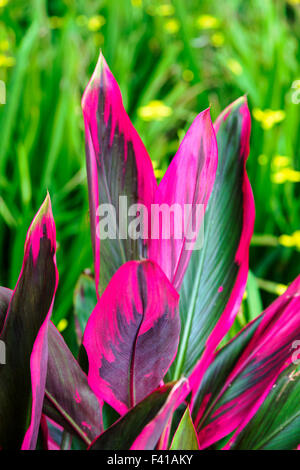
25, 332
185, 437
249, 375
184, 192
132, 335
117, 165
216, 277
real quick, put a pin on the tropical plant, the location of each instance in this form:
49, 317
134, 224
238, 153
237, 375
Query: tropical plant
151, 372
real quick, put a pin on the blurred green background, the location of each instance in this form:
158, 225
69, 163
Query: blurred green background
172, 59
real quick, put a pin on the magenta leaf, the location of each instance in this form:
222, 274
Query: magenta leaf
249, 366
69, 401
117, 165
132, 335
216, 277
186, 185
25, 330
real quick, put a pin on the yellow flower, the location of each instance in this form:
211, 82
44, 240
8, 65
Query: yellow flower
290, 240
137, 3
154, 111
217, 39
286, 175
56, 22
235, 66
280, 161
280, 289
3, 3
7, 61
268, 118
207, 22
4, 45
62, 325
95, 22
165, 10
187, 75
172, 26
296, 237
262, 159
294, 2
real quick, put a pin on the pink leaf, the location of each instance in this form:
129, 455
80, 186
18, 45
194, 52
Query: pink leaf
132, 335
188, 181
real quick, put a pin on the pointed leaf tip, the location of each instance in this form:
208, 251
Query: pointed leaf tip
42, 226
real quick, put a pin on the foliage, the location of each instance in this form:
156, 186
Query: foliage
142, 382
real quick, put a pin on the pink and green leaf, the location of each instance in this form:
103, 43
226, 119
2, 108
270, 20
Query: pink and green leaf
25, 334
249, 366
276, 425
216, 277
117, 165
132, 335
186, 185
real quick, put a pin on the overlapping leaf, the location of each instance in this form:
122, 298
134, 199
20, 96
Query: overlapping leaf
244, 372
117, 165
132, 335
183, 193
276, 425
25, 331
216, 277
141, 427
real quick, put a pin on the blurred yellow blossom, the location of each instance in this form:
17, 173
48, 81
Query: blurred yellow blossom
286, 175
280, 289
172, 26
62, 325
268, 118
137, 3
7, 61
165, 9
217, 39
263, 159
188, 75
208, 22
290, 240
4, 45
96, 22
56, 22
294, 2
154, 111
280, 161
3, 3
235, 66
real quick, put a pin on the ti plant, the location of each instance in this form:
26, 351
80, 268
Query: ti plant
151, 373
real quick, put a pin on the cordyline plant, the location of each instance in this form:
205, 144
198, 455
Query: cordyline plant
151, 374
